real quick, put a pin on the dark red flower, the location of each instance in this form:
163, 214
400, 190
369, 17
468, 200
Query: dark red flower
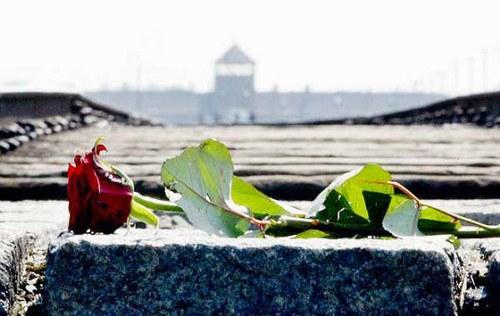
99, 197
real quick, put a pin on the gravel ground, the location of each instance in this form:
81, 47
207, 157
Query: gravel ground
29, 297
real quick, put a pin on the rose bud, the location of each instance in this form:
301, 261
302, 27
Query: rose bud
100, 196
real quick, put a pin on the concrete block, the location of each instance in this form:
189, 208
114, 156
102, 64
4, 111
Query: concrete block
147, 272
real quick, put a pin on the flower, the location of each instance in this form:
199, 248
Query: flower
100, 196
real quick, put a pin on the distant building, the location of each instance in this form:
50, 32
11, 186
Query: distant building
234, 100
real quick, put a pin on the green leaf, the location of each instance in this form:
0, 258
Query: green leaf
290, 210
338, 209
311, 233
243, 193
203, 176
401, 220
143, 214
377, 205
435, 221
350, 186
429, 219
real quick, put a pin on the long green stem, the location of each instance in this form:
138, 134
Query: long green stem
166, 206
289, 222
302, 224
156, 204
470, 232
144, 214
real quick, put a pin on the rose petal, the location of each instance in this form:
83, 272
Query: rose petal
99, 200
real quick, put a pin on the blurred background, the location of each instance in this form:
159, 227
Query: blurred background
225, 62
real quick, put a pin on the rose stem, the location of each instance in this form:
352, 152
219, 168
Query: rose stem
156, 204
467, 232
144, 214
167, 206
334, 227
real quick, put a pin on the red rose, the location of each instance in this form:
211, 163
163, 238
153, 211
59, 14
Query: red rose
99, 198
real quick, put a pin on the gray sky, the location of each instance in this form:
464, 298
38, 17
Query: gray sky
328, 45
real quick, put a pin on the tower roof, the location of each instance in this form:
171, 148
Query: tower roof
235, 55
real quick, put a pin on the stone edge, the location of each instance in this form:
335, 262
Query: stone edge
14, 248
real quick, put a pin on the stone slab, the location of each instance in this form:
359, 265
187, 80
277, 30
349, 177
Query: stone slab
23, 225
144, 272
13, 248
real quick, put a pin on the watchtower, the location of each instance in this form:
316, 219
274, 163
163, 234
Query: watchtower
234, 91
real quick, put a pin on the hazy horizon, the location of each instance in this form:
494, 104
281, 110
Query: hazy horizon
444, 47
